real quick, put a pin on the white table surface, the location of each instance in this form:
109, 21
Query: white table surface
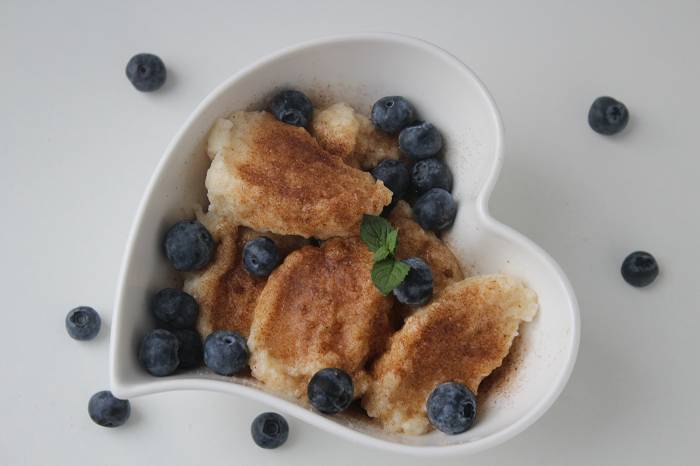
78, 145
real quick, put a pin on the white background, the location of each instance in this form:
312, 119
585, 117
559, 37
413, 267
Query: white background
78, 145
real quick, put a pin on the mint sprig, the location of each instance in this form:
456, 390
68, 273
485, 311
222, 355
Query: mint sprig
388, 273
382, 238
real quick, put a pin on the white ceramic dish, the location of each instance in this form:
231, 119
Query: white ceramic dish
359, 69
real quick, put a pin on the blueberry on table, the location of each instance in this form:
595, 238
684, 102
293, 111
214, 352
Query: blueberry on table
158, 352
435, 210
261, 256
191, 350
417, 288
175, 308
292, 107
640, 269
330, 390
189, 245
226, 353
607, 116
451, 408
394, 175
269, 430
393, 113
146, 72
83, 323
107, 410
420, 141
430, 173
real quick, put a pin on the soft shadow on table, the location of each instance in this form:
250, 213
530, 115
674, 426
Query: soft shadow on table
136, 417
170, 82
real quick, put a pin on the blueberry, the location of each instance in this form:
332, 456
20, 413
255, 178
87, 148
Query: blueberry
188, 245
107, 410
451, 408
261, 256
435, 210
607, 116
226, 353
417, 288
390, 114
190, 351
175, 308
292, 107
420, 140
428, 174
330, 390
83, 323
269, 430
146, 72
394, 174
158, 352
640, 269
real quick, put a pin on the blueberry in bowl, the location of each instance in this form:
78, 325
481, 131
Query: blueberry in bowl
226, 353
417, 288
393, 113
292, 107
188, 245
420, 140
451, 408
159, 352
435, 210
394, 175
175, 308
261, 256
190, 350
330, 390
430, 173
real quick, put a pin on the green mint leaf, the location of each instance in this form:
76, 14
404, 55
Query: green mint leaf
382, 239
392, 239
388, 273
374, 231
381, 253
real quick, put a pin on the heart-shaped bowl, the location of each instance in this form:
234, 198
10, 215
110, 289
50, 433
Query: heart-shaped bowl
359, 69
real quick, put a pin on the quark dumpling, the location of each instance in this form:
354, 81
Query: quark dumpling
225, 291
461, 336
342, 131
271, 176
319, 309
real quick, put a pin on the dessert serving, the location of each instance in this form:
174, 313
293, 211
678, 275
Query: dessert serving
319, 266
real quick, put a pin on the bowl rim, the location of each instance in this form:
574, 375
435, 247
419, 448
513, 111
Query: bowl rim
187, 382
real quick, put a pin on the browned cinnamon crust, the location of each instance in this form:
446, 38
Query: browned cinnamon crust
319, 309
225, 291
271, 176
462, 336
